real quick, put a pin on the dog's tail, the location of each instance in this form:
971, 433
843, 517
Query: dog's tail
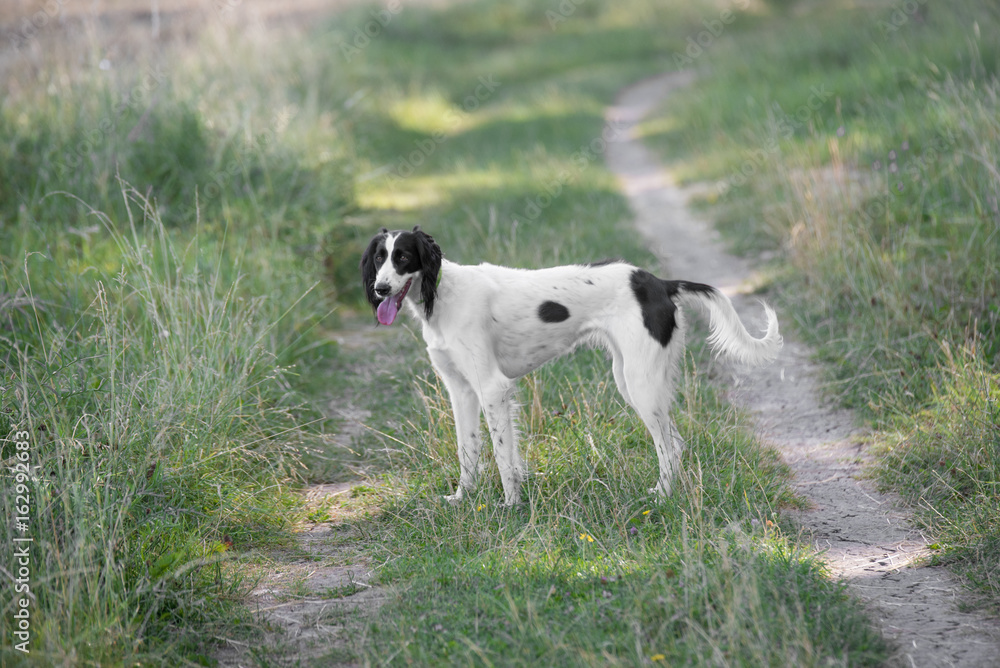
728, 333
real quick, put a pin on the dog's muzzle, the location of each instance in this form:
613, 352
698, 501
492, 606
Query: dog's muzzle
387, 310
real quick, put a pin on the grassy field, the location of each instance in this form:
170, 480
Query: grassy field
162, 236
857, 148
180, 224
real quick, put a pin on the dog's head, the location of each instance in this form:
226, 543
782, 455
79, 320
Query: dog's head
393, 263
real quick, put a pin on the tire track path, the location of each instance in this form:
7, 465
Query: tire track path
865, 536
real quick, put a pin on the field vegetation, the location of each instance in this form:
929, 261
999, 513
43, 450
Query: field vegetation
857, 148
182, 208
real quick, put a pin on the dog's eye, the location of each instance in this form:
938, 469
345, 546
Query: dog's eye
380, 259
401, 258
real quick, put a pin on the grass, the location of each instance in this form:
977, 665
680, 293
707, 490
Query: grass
180, 227
162, 271
592, 571
865, 166
160, 433
944, 460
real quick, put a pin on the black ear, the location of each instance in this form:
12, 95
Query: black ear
430, 268
368, 269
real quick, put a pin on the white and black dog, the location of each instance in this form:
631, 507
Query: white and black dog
486, 326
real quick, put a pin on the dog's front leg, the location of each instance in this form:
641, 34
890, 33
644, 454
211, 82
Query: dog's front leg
465, 407
498, 403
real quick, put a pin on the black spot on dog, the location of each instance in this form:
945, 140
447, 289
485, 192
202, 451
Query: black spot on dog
656, 299
406, 253
552, 312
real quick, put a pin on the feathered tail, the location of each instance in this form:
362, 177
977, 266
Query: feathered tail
728, 333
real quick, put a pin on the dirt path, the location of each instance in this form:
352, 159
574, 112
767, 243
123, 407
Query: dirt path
865, 535
315, 596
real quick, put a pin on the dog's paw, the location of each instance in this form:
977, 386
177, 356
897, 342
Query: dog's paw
456, 497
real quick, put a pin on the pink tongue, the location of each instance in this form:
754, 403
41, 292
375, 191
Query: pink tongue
387, 310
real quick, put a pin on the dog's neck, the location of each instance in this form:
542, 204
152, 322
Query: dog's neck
415, 299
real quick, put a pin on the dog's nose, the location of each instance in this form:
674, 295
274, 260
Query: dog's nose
382, 289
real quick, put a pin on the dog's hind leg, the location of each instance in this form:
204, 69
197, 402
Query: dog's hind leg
669, 457
651, 387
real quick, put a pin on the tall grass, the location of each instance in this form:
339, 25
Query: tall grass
881, 202
212, 128
170, 220
150, 349
161, 434
945, 460
916, 251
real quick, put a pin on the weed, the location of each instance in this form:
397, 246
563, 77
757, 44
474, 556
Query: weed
945, 460
881, 205
159, 427
153, 353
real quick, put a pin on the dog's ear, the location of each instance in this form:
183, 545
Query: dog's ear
430, 268
369, 270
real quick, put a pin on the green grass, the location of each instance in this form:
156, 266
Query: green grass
592, 570
166, 254
160, 433
171, 267
945, 460
857, 146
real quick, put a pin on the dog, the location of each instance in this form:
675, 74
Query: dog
485, 326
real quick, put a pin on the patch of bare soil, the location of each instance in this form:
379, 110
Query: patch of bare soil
314, 599
865, 536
